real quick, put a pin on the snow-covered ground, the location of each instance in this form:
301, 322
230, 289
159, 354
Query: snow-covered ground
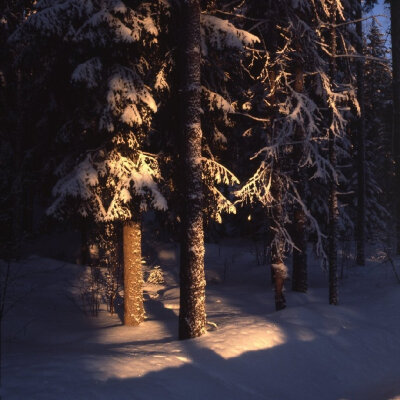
310, 350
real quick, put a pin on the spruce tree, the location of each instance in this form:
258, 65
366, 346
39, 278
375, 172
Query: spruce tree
361, 206
294, 155
378, 145
106, 174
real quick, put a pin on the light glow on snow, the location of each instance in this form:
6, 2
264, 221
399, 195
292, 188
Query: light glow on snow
254, 336
251, 352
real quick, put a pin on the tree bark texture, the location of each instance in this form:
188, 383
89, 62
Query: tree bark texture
395, 29
192, 314
279, 272
299, 278
278, 268
333, 205
360, 223
133, 275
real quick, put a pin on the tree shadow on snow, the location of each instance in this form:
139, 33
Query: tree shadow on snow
92, 365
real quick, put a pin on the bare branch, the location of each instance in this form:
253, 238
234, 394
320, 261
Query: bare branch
237, 15
253, 117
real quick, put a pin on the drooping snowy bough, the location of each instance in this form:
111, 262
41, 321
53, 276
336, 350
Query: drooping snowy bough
298, 107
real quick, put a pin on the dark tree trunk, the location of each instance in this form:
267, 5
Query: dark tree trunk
360, 223
17, 187
333, 206
84, 257
133, 276
278, 268
279, 272
299, 278
192, 315
395, 29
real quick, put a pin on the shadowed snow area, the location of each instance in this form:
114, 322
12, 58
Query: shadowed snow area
311, 350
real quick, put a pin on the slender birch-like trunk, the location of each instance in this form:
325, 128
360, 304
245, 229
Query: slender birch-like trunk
333, 205
17, 186
360, 223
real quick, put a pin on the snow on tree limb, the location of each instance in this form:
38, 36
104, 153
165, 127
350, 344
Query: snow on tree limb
125, 178
221, 34
88, 72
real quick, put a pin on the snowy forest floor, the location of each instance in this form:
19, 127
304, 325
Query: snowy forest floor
310, 350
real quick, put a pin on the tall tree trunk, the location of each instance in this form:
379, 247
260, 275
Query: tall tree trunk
360, 223
133, 275
278, 267
395, 29
192, 315
333, 206
17, 187
299, 279
279, 271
